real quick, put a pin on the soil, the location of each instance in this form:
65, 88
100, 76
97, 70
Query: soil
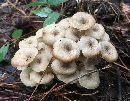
115, 81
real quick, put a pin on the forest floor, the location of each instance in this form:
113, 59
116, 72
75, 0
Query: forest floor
115, 80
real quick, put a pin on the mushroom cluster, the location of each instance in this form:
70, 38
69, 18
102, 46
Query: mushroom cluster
66, 50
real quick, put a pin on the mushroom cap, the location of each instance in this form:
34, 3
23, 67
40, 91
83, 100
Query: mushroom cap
42, 60
108, 51
68, 78
66, 50
82, 21
23, 57
105, 37
52, 33
90, 81
39, 33
73, 34
89, 46
64, 24
63, 68
41, 78
96, 31
25, 78
28, 42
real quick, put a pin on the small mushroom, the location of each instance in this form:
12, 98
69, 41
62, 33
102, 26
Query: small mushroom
82, 21
89, 81
68, 78
39, 33
52, 34
63, 68
42, 60
105, 37
28, 42
73, 34
89, 64
89, 46
64, 24
25, 78
108, 51
23, 57
41, 78
96, 31
66, 50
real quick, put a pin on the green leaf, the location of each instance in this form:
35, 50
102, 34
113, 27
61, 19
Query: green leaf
56, 2
3, 51
37, 3
53, 17
44, 12
17, 33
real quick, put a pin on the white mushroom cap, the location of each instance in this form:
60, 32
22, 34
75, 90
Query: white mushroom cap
63, 68
66, 50
73, 34
68, 78
41, 78
82, 21
28, 42
89, 46
96, 31
90, 81
52, 33
23, 57
42, 60
105, 37
25, 78
108, 51
39, 33
64, 24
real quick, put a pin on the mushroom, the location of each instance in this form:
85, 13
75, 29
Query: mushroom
63, 68
23, 57
89, 64
42, 60
108, 51
64, 24
28, 42
105, 37
39, 35
96, 31
89, 46
52, 33
82, 21
41, 78
66, 50
68, 78
73, 34
89, 81
25, 78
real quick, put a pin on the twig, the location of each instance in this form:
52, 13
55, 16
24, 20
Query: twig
122, 66
62, 86
45, 94
21, 11
119, 84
